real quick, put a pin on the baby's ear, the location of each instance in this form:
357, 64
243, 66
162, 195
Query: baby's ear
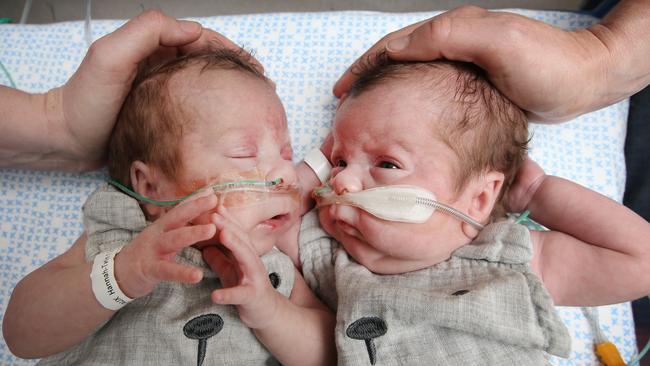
485, 193
145, 182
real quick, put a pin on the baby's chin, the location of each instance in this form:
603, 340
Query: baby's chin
380, 263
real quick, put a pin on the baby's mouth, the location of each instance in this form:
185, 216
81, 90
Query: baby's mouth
276, 221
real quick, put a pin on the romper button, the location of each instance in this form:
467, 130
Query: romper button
460, 292
275, 279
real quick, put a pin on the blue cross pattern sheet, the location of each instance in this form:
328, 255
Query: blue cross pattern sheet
304, 53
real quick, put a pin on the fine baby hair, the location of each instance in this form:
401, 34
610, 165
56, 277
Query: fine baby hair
152, 122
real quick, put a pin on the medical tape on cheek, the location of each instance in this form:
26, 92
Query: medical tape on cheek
233, 189
247, 188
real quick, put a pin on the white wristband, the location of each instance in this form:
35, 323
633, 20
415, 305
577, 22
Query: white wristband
104, 284
317, 161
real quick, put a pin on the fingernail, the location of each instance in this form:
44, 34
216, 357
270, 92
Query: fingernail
189, 27
398, 44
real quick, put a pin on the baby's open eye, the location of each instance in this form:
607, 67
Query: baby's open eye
387, 165
341, 163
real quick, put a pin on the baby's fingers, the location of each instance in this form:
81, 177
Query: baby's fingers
241, 250
171, 271
227, 223
226, 220
238, 295
182, 214
177, 239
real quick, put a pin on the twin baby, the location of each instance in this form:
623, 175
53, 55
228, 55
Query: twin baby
407, 260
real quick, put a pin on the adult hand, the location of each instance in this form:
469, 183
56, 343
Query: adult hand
551, 73
86, 107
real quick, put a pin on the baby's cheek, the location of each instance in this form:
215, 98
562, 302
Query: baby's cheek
326, 220
242, 198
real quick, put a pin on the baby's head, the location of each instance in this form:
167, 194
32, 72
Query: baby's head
200, 119
440, 126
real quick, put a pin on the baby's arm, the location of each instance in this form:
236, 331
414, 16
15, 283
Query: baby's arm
54, 308
298, 330
597, 252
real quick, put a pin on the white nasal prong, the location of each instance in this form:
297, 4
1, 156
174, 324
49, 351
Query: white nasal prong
400, 203
393, 203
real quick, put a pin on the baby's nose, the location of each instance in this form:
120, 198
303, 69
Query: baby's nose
283, 169
347, 180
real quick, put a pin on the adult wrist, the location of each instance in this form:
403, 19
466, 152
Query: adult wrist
624, 50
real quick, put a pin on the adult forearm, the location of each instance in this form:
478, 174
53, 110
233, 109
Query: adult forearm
624, 32
50, 311
34, 134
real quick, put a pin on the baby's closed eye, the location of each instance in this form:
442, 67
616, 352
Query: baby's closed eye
243, 152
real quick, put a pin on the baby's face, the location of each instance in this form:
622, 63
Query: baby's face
240, 133
382, 137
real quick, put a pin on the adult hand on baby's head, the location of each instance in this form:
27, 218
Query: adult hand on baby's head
529, 177
149, 258
88, 104
551, 73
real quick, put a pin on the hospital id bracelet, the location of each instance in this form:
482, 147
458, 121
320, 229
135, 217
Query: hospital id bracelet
104, 284
317, 161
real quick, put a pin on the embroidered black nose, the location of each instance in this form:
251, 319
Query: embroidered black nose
275, 279
460, 292
367, 329
203, 327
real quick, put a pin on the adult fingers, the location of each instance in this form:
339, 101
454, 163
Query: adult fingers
141, 36
182, 214
179, 238
348, 77
447, 37
440, 25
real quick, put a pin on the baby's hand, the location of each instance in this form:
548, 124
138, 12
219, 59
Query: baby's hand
529, 177
242, 273
149, 258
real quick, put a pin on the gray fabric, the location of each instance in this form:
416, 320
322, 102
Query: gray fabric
483, 306
149, 330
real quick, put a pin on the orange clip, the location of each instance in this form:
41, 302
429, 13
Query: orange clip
609, 355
